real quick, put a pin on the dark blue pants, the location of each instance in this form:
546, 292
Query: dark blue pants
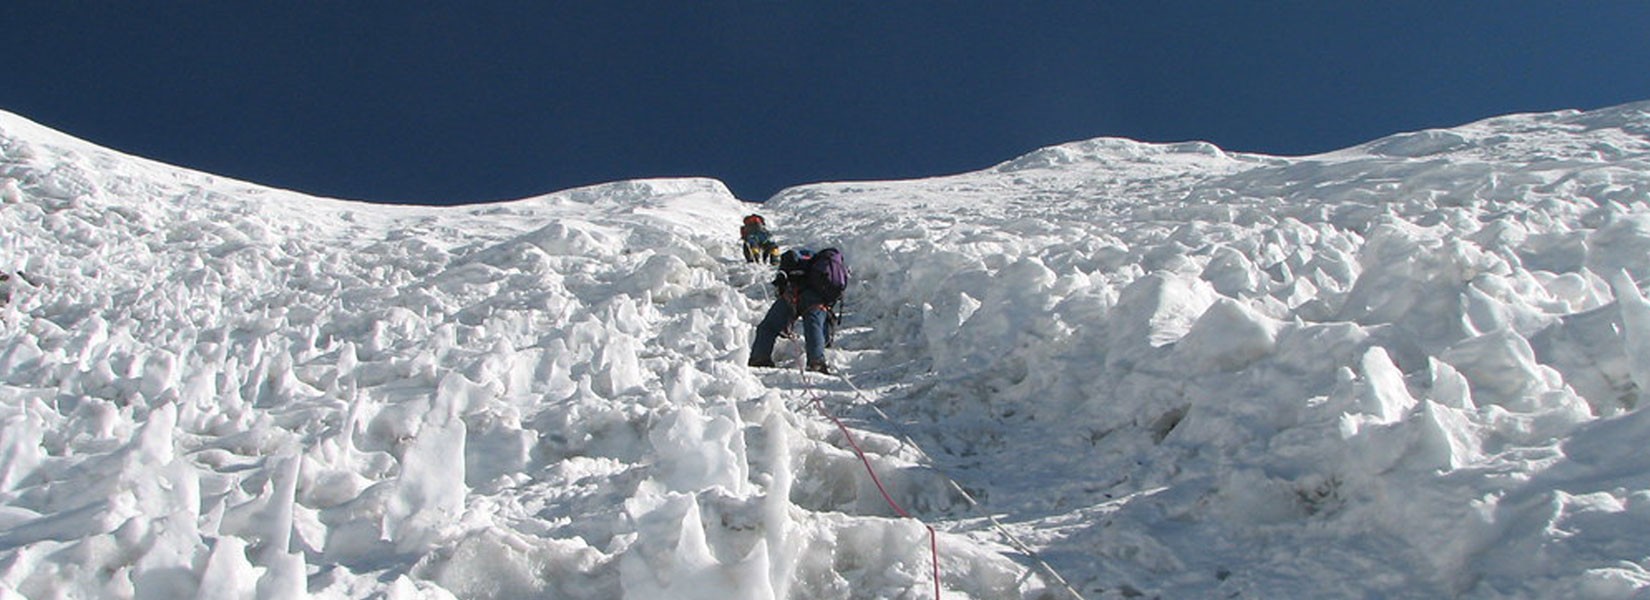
780, 315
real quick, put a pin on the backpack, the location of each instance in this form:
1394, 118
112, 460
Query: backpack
753, 223
828, 274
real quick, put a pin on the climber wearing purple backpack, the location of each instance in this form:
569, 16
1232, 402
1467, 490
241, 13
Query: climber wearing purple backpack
809, 285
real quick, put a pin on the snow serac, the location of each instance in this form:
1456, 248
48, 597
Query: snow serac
213, 389
1410, 368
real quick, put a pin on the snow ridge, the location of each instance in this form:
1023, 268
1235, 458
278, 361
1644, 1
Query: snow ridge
1410, 368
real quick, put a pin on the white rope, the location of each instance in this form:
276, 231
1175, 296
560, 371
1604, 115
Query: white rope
995, 524
973, 502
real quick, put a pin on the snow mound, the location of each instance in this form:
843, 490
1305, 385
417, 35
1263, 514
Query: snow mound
1342, 375
1410, 368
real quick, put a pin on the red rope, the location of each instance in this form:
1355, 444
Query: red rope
933, 539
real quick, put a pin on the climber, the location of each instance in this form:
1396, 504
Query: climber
808, 286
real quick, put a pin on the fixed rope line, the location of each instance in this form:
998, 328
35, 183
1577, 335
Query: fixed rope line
995, 524
905, 439
933, 536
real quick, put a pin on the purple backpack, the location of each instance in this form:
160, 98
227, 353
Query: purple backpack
828, 274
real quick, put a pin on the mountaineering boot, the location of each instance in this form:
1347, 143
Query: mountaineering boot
819, 366
759, 362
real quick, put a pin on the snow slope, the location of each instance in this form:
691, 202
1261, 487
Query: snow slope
1405, 369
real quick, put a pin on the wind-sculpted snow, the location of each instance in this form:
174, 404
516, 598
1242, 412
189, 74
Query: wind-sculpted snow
1410, 368
1190, 373
217, 390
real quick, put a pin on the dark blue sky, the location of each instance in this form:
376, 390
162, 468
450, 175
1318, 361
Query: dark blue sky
424, 102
